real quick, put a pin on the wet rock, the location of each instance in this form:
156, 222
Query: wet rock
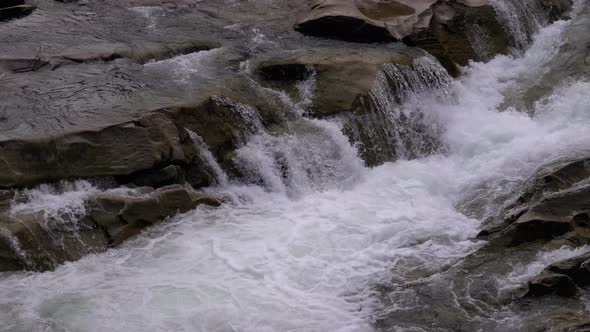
457, 33
532, 227
365, 20
557, 9
556, 201
10, 13
577, 268
123, 217
135, 151
141, 52
562, 278
584, 327
37, 241
453, 31
343, 76
222, 123
445, 29
362, 85
158, 177
116, 150
553, 178
6, 197
552, 283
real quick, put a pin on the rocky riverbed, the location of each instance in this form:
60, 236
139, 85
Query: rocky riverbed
367, 165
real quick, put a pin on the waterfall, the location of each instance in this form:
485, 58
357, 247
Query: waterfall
395, 126
521, 19
210, 160
314, 156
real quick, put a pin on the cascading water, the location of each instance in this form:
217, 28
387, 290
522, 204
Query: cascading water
269, 260
521, 18
395, 125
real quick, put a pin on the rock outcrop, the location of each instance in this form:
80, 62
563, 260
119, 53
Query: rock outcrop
562, 278
554, 203
133, 151
40, 241
343, 77
116, 150
364, 86
454, 31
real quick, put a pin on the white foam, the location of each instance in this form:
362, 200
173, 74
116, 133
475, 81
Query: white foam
63, 202
272, 261
186, 68
522, 274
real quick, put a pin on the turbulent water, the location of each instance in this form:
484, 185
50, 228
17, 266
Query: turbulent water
303, 248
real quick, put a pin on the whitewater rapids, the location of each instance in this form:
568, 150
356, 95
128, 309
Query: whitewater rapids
271, 260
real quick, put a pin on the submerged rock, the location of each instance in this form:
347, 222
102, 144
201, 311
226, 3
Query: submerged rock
39, 241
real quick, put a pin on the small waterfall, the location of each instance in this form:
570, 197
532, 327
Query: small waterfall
60, 208
220, 175
394, 125
481, 41
521, 19
314, 155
